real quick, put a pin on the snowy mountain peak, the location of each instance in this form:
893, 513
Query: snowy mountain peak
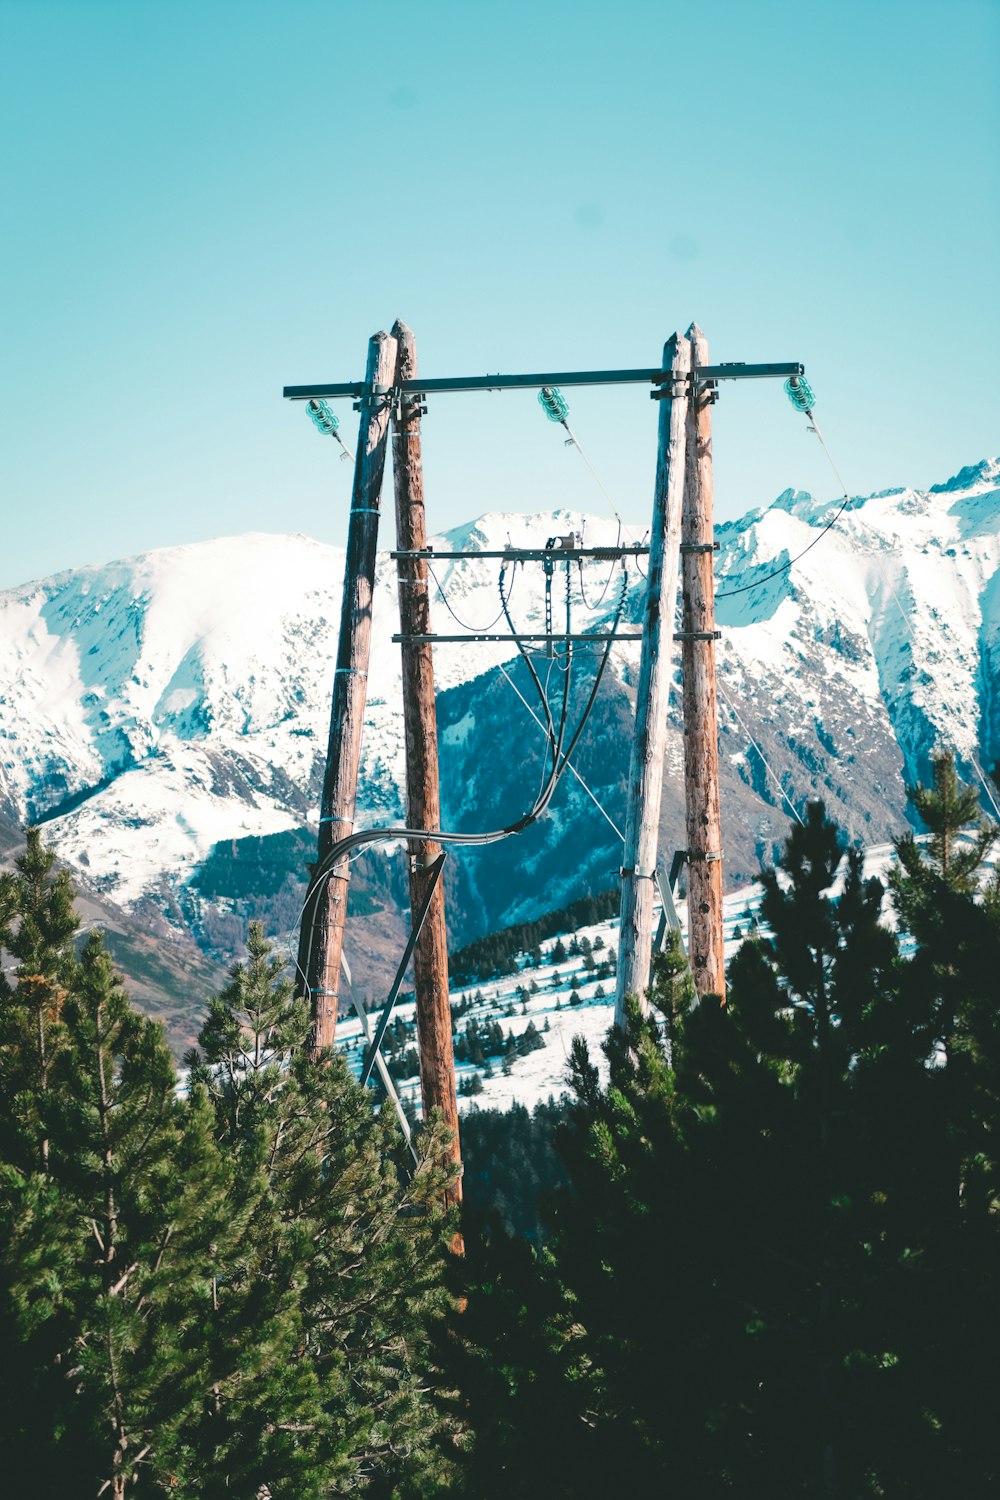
986, 472
159, 706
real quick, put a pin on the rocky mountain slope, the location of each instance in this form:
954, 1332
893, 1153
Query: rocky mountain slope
166, 716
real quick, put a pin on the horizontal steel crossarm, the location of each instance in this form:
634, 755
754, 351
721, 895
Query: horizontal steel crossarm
357, 388
472, 635
530, 554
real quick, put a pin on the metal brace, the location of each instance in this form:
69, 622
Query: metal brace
697, 635
639, 874
699, 547
417, 921
706, 856
379, 395
413, 404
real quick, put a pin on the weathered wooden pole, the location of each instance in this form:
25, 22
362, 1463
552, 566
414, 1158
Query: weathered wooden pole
635, 939
701, 737
430, 957
322, 936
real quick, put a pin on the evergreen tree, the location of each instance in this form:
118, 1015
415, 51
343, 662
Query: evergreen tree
37, 927
948, 808
741, 1291
954, 990
226, 1291
107, 1257
339, 1272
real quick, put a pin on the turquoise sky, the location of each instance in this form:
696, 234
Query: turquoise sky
204, 201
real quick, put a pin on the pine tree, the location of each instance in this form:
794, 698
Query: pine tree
107, 1258
37, 926
948, 808
741, 1285
339, 1274
954, 991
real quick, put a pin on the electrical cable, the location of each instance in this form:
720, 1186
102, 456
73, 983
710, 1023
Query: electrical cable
759, 583
473, 629
753, 742
553, 403
608, 582
592, 795
329, 863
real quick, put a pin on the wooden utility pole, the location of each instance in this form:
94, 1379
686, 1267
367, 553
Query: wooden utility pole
430, 957
322, 936
701, 738
635, 940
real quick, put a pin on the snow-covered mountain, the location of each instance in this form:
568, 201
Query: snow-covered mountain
169, 711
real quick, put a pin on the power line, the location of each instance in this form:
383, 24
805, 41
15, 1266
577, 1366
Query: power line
759, 582
552, 402
332, 861
473, 629
845, 502
593, 797
764, 760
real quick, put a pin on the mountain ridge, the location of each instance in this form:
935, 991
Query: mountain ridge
159, 708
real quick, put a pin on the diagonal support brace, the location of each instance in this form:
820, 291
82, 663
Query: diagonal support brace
434, 871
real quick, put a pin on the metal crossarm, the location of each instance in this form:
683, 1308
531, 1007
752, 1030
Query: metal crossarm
556, 636
356, 388
530, 554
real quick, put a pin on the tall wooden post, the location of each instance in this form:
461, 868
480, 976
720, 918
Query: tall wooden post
322, 937
701, 738
635, 940
430, 957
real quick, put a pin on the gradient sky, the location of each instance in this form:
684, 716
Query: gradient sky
205, 200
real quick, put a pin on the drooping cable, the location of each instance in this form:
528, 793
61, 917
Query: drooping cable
759, 583
472, 629
571, 768
328, 865
800, 394
763, 758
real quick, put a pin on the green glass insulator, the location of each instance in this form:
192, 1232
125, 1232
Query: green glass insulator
551, 401
800, 393
323, 418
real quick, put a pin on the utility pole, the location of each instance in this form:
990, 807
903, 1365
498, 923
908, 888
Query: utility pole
430, 956
701, 738
683, 458
321, 938
635, 939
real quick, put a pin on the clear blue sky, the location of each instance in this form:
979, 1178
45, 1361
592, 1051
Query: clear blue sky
204, 201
